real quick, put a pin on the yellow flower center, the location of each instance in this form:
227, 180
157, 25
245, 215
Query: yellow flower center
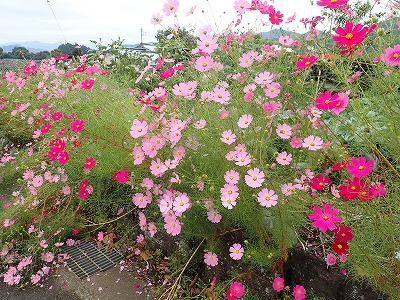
349, 36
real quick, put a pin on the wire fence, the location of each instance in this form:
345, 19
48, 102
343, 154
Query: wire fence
12, 64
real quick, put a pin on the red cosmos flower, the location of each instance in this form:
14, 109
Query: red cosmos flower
75, 231
64, 158
62, 57
332, 3
84, 184
339, 166
275, 17
121, 176
45, 128
306, 61
340, 247
77, 125
344, 234
355, 189
81, 69
83, 194
319, 183
87, 84
90, 163
351, 35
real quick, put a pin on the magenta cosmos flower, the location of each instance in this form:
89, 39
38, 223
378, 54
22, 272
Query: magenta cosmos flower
359, 167
278, 284
391, 56
87, 84
326, 219
306, 61
351, 35
299, 292
332, 3
77, 125
237, 289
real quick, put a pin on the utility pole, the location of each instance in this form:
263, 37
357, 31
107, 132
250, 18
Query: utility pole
141, 35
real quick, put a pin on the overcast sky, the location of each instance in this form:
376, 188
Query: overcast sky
84, 20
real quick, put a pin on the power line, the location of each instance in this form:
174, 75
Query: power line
59, 27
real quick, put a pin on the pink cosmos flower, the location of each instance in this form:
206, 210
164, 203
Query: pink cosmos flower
237, 289
284, 158
138, 155
139, 128
278, 284
391, 56
210, 259
173, 227
299, 292
359, 167
245, 121
270, 106
224, 114
156, 19
204, 63
296, 142
326, 219
181, 203
170, 7
267, 198
231, 177
77, 125
37, 180
312, 142
220, 95
242, 159
330, 259
284, 131
207, 44
213, 216
47, 257
140, 200
272, 89
236, 251
241, 6
254, 178
340, 103
228, 137
264, 78
20, 82
246, 60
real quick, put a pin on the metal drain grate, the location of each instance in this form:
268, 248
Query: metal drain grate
87, 259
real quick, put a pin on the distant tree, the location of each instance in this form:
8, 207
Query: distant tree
73, 49
1, 52
41, 55
56, 52
176, 44
21, 53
